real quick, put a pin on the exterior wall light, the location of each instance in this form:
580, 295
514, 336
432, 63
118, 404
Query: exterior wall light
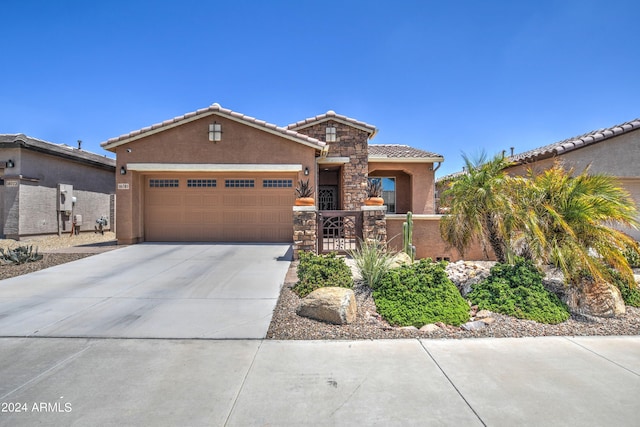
306, 171
10, 164
215, 132
331, 134
123, 170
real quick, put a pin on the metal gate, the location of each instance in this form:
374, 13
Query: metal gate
339, 231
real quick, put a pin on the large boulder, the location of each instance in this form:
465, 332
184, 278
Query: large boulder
400, 259
594, 298
329, 304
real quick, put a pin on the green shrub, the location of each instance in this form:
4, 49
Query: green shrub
630, 291
421, 293
373, 260
632, 256
19, 255
517, 290
318, 271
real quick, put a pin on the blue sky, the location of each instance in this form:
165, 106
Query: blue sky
444, 76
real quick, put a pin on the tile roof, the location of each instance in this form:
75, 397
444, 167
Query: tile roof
398, 151
576, 142
203, 112
331, 115
61, 150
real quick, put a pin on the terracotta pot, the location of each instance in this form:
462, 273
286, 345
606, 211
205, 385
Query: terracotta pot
305, 201
374, 201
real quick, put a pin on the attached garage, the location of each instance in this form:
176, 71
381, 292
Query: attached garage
222, 207
212, 175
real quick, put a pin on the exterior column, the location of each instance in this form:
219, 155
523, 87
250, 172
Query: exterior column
305, 229
374, 223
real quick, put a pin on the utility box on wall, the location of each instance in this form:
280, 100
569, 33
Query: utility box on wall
65, 197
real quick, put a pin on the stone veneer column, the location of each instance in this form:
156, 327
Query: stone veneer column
374, 223
305, 229
352, 143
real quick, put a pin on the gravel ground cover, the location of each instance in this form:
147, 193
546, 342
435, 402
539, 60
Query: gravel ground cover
287, 325
54, 249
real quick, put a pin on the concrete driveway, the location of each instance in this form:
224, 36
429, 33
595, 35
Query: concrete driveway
150, 291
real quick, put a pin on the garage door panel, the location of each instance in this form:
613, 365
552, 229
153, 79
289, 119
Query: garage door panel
233, 214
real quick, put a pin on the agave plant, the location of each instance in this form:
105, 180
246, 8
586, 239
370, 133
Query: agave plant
19, 255
374, 187
304, 189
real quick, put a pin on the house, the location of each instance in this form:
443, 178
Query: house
613, 151
218, 175
44, 186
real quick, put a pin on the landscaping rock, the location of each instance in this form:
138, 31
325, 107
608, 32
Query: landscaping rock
476, 325
408, 328
430, 327
465, 274
487, 320
400, 259
482, 314
329, 304
592, 298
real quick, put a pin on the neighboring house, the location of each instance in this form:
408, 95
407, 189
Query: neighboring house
218, 175
45, 185
613, 151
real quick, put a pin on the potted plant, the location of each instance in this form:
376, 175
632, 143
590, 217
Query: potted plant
374, 193
304, 194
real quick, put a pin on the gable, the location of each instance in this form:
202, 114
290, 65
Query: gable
213, 112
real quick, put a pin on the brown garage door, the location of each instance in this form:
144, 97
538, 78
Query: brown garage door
219, 207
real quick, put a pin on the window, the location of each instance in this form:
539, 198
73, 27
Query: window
239, 183
388, 192
163, 183
198, 183
277, 183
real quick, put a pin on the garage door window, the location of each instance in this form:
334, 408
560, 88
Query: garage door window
277, 183
239, 183
200, 183
163, 183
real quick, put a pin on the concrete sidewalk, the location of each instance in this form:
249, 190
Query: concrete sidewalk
585, 381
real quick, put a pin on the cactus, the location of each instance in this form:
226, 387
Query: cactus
407, 237
19, 255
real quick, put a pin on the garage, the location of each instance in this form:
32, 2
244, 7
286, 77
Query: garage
220, 207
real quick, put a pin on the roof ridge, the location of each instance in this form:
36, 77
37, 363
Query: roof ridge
212, 109
333, 115
575, 142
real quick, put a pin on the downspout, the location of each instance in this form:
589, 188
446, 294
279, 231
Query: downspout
437, 167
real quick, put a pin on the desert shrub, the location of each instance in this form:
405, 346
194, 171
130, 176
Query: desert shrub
318, 271
632, 256
517, 290
418, 294
19, 255
630, 291
373, 260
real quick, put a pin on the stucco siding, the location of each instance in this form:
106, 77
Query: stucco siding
39, 215
189, 144
427, 239
51, 170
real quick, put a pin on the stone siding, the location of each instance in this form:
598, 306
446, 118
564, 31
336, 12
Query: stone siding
374, 223
352, 143
305, 229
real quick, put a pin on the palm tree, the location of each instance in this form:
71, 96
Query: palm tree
568, 221
479, 207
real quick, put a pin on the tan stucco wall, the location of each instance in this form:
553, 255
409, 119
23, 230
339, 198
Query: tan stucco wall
189, 144
618, 157
419, 188
427, 238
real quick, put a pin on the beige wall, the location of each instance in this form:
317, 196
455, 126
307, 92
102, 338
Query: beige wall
427, 238
415, 194
189, 144
618, 157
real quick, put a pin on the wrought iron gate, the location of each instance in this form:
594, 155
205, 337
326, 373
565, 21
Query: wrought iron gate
339, 231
